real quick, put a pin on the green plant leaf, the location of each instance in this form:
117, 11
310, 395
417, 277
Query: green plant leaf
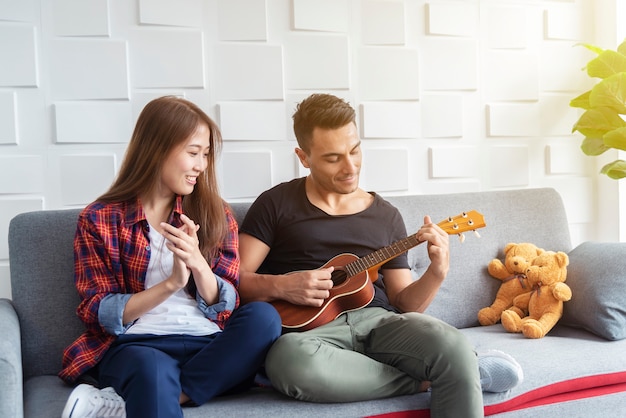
616, 139
610, 92
615, 170
622, 48
593, 48
593, 146
597, 122
606, 64
581, 101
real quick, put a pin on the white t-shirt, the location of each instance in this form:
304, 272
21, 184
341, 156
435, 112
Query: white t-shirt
178, 314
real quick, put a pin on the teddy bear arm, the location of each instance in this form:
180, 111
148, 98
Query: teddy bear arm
497, 269
562, 292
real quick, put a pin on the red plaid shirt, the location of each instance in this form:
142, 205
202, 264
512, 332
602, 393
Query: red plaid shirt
111, 255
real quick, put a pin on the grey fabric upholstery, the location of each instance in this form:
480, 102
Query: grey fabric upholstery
40, 319
11, 392
511, 216
598, 289
42, 265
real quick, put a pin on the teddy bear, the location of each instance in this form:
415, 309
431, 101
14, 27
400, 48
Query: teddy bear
512, 273
544, 303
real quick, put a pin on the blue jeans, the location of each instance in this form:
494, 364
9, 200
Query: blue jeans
373, 353
151, 371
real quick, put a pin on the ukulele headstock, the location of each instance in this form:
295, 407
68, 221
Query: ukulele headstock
463, 222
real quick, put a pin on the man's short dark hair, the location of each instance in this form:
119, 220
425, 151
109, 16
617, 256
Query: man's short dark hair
320, 111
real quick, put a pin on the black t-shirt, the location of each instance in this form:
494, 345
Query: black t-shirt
303, 237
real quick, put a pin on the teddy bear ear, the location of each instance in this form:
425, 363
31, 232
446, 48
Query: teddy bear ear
540, 251
562, 259
508, 247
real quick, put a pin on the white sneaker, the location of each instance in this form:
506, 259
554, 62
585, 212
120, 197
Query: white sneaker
88, 401
499, 371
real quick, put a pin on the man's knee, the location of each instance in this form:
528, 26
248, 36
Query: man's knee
292, 363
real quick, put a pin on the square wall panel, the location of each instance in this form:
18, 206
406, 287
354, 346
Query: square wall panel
511, 75
245, 174
557, 116
442, 116
9, 208
508, 166
382, 22
388, 74
321, 15
80, 18
452, 18
170, 13
578, 197
507, 27
248, 72
18, 47
564, 21
454, 162
88, 69
233, 25
317, 62
452, 64
162, 58
253, 121
85, 177
93, 122
563, 67
519, 119
8, 117
390, 120
22, 174
20, 11
385, 170
566, 159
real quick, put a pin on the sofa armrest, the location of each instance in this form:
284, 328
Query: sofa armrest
11, 389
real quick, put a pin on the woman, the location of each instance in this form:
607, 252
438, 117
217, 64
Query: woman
156, 266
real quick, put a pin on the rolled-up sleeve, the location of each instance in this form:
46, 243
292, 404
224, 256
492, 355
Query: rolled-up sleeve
111, 311
227, 301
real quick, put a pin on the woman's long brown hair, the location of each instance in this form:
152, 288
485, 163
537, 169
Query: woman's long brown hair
163, 124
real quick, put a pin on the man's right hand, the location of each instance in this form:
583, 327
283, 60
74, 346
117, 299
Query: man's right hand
309, 287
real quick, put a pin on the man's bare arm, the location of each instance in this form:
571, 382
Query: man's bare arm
309, 287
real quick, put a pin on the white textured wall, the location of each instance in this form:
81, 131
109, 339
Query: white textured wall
451, 95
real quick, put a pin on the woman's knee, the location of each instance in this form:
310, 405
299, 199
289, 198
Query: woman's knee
260, 318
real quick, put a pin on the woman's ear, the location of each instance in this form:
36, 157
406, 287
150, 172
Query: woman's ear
302, 157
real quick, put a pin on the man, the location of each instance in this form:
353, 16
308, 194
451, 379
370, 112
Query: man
388, 348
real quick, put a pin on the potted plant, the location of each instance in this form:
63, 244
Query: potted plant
602, 122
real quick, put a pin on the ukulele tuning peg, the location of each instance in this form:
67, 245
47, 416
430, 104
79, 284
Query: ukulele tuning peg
461, 238
476, 233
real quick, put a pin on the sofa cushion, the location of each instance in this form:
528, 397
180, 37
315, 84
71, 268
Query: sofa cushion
598, 301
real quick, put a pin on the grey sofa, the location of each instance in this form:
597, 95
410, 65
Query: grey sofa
577, 370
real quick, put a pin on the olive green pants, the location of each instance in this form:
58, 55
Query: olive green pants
371, 354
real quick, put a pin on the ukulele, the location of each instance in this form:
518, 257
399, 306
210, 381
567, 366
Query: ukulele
353, 277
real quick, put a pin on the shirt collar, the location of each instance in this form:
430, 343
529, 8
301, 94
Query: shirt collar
134, 212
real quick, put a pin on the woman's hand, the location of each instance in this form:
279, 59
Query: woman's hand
184, 244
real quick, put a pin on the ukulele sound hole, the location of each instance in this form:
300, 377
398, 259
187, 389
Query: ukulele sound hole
338, 277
